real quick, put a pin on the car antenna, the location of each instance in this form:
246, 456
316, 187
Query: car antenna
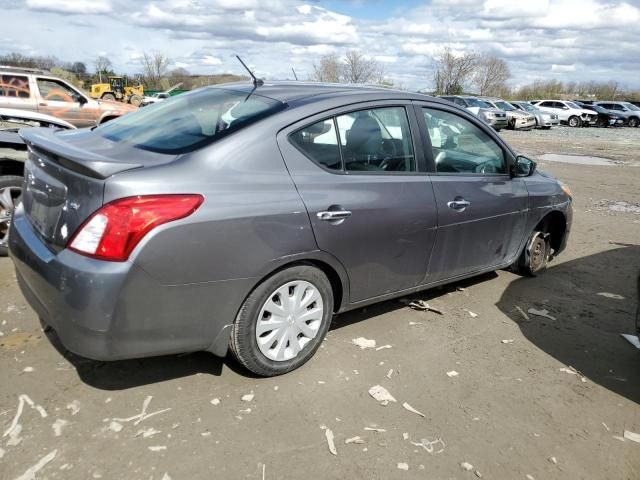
257, 82
294, 74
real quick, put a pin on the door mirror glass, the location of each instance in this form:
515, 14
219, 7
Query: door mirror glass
81, 99
524, 166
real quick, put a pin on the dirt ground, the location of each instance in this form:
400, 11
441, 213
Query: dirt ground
512, 412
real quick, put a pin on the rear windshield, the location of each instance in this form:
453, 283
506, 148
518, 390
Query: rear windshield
187, 122
474, 102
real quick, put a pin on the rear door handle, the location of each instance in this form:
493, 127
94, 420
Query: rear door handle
330, 216
458, 205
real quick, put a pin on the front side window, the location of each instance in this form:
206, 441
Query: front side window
16, 86
190, 121
53, 90
505, 106
460, 147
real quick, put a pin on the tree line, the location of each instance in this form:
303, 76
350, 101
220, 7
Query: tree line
452, 73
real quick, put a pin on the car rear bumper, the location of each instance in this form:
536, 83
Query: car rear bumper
115, 310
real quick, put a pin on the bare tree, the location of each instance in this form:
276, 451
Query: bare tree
451, 72
327, 70
103, 66
155, 67
491, 75
357, 68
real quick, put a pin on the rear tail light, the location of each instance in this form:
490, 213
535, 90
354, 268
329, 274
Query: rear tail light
114, 230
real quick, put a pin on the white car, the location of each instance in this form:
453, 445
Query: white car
568, 112
155, 98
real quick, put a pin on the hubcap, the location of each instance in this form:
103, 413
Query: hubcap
538, 253
289, 320
9, 198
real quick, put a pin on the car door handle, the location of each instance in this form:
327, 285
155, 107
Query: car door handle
458, 205
330, 216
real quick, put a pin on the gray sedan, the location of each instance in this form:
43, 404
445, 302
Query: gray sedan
243, 217
544, 120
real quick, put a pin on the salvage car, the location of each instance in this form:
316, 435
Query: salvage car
13, 153
242, 217
629, 111
568, 112
516, 119
491, 115
38, 91
544, 120
606, 118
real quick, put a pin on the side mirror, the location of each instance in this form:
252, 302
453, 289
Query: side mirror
82, 99
523, 167
565, 108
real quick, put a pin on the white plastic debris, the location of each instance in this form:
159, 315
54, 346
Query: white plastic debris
215, 401
147, 432
632, 339
472, 314
58, 425
355, 439
381, 394
466, 466
522, 312
115, 426
634, 437
569, 370
332, 446
541, 313
606, 426
553, 460
165, 476
383, 347
618, 437
390, 373
74, 407
30, 474
157, 448
15, 428
614, 296
530, 477
508, 340
248, 397
27, 369
405, 436
431, 446
452, 373
403, 466
375, 429
412, 410
143, 415
364, 343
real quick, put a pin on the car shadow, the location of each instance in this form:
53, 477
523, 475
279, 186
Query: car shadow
586, 332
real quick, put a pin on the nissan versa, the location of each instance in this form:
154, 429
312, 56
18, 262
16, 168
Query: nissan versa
243, 218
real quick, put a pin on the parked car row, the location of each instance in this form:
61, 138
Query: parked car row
547, 113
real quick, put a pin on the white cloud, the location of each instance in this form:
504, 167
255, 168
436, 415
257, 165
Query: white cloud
71, 6
563, 68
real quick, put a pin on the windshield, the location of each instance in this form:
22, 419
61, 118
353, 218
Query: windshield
474, 102
528, 107
573, 105
505, 106
631, 106
187, 122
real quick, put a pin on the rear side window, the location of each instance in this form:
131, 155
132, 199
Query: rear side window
190, 121
375, 140
320, 143
54, 90
16, 86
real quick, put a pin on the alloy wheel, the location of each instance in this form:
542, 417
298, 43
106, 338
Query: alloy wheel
9, 198
289, 319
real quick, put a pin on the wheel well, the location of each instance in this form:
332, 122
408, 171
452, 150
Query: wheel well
332, 275
11, 167
555, 224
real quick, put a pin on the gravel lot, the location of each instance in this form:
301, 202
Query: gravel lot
534, 398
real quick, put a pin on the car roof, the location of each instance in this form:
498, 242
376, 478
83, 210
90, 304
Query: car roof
292, 92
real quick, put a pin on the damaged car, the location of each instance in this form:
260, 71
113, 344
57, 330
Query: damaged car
243, 217
516, 119
544, 120
568, 112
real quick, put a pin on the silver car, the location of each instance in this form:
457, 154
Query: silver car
490, 114
517, 119
242, 218
544, 120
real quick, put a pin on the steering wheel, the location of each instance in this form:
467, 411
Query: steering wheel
485, 167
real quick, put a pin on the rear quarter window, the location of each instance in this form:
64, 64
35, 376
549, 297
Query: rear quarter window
16, 86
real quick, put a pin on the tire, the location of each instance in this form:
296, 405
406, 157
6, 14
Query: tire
633, 122
109, 97
260, 359
574, 121
135, 100
10, 186
534, 258
602, 123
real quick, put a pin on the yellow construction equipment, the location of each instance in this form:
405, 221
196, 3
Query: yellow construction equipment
118, 88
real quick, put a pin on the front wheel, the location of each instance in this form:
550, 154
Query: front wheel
283, 321
633, 122
574, 121
10, 192
535, 256
110, 97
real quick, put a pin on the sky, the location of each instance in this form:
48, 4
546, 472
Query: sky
569, 40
